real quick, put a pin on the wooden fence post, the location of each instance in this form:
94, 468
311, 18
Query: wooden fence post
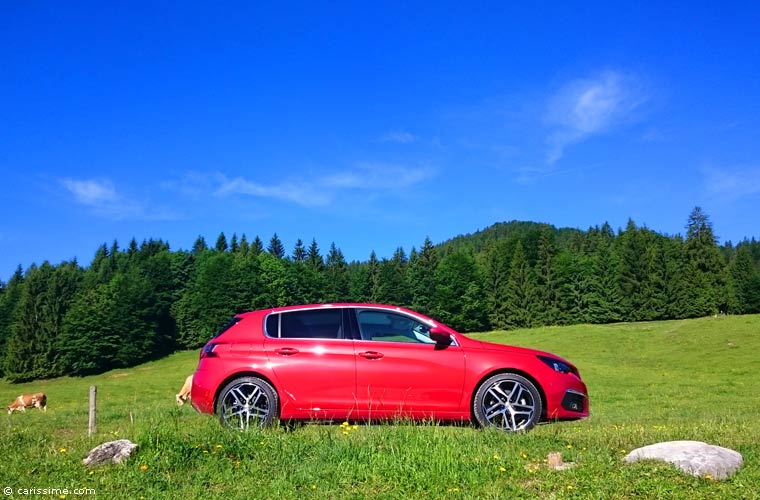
93, 398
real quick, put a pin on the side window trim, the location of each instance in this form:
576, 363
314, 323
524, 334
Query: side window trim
338, 321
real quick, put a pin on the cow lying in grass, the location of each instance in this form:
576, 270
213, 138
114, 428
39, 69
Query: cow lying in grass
38, 400
184, 393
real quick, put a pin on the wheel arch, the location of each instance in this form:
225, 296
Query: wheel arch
246, 373
514, 371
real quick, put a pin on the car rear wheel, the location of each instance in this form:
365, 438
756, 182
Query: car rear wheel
248, 402
508, 402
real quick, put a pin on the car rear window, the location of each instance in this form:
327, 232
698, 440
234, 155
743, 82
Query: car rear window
233, 322
311, 323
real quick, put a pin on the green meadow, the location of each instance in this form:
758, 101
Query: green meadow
648, 382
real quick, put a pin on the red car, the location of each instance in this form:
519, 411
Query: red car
373, 361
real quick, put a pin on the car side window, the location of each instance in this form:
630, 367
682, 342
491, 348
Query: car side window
306, 324
392, 327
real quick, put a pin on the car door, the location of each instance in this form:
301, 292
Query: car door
313, 361
400, 370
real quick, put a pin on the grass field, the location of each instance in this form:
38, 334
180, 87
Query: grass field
648, 382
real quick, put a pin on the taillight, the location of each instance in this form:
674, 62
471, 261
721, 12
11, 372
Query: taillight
208, 350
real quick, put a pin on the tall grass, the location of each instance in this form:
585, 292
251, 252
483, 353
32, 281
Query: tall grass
649, 382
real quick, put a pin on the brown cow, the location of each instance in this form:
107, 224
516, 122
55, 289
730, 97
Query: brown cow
38, 400
184, 393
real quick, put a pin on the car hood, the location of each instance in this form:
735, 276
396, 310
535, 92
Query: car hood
514, 350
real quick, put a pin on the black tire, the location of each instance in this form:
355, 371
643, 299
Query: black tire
507, 402
246, 402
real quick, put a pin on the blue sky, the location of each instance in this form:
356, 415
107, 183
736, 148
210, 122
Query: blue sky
371, 125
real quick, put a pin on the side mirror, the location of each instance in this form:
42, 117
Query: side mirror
440, 336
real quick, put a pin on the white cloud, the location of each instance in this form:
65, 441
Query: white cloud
366, 179
400, 137
732, 183
300, 193
586, 107
377, 177
105, 201
92, 192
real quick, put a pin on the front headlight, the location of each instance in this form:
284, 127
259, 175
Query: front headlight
555, 364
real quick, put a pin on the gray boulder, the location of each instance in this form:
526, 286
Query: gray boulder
112, 451
693, 457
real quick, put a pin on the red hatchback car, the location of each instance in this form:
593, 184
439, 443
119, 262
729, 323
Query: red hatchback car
373, 361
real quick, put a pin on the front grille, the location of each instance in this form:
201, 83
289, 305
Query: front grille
573, 401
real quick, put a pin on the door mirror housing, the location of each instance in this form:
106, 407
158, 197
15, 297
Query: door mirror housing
440, 335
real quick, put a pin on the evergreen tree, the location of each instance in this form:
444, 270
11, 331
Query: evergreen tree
496, 259
632, 251
257, 246
32, 349
654, 287
547, 307
422, 278
392, 285
9, 299
459, 295
221, 243
677, 296
362, 277
746, 281
521, 298
244, 246
604, 295
336, 273
704, 264
574, 272
111, 326
199, 246
208, 301
299, 252
275, 286
276, 247
234, 247
314, 258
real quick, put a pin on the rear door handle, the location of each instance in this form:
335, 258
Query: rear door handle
371, 354
286, 351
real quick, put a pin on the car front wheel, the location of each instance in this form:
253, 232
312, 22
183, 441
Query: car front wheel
508, 402
248, 402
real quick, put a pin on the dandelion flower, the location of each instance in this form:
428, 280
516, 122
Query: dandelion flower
503, 469
495, 456
62, 450
143, 467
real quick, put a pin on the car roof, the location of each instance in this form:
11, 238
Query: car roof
357, 305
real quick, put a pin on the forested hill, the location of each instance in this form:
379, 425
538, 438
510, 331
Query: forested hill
528, 232
144, 301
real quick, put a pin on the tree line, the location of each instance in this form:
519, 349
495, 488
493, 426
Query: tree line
145, 301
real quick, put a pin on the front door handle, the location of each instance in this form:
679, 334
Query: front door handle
371, 354
286, 351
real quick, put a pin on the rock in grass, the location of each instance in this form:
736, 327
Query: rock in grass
112, 451
693, 457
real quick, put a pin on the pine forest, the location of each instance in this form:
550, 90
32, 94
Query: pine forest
145, 300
